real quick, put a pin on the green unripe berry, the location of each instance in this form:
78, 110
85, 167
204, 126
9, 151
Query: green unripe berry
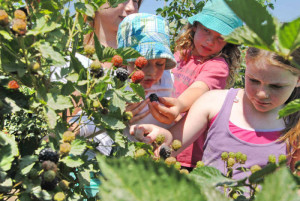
235, 196
140, 153
281, 158
65, 148
95, 65
255, 168
89, 49
170, 161
231, 155
176, 144
49, 175
200, 164
224, 156
184, 171
64, 185
238, 156
160, 139
33, 174
272, 158
96, 104
59, 196
68, 136
49, 165
243, 159
128, 115
230, 162
177, 165
35, 66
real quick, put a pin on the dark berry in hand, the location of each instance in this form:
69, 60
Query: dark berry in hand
153, 97
48, 154
122, 74
165, 152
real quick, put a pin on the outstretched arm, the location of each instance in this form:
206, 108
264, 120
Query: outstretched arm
170, 108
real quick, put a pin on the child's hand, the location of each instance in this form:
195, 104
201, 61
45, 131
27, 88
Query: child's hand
147, 133
167, 112
135, 108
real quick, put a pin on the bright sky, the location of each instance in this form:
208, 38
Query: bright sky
284, 10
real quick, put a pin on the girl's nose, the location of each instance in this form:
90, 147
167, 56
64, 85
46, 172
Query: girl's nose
130, 6
263, 93
210, 40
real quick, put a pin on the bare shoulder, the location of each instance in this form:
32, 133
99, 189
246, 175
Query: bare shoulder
212, 101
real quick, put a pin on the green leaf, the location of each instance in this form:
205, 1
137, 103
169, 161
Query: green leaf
119, 139
289, 36
85, 8
72, 161
51, 117
5, 35
108, 52
48, 52
115, 3
67, 89
128, 53
43, 25
209, 176
257, 176
26, 163
6, 186
76, 64
113, 123
260, 21
136, 180
137, 88
278, 186
77, 147
41, 194
290, 108
72, 77
99, 48
84, 177
58, 102
9, 149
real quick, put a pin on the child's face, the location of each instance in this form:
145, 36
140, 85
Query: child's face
153, 71
207, 42
267, 86
110, 18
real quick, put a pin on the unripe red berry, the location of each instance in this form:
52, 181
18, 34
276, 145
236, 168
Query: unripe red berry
141, 62
13, 84
117, 60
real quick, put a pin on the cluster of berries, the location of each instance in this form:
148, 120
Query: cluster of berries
138, 75
232, 158
281, 158
19, 23
65, 146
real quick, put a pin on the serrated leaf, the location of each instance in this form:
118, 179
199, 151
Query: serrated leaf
5, 35
85, 8
289, 35
72, 77
99, 48
72, 161
128, 53
43, 25
58, 102
129, 179
76, 65
118, 138
260, 174
113, 123
290, 108
84, 177
51, 117
260, 21
67, 89
77, 147
137, 88
48, 52
26, 163
9, 149
278, 186
118, 100
109, 52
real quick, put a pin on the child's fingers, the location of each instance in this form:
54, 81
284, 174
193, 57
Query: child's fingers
135, 108
167, 101
138, 117
157, 115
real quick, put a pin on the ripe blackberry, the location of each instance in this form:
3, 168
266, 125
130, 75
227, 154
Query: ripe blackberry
122, 74
165, 152
48, 154
49, 186
153, 97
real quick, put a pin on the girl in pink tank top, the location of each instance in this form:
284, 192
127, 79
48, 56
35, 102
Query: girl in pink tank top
227, 116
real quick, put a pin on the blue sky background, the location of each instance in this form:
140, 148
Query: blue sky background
284, 10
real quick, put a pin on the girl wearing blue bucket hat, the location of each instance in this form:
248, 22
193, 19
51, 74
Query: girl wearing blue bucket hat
204, 62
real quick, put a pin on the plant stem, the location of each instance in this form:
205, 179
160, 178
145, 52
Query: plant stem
73, 28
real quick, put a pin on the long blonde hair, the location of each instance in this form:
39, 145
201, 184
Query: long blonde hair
291, 133
230, 52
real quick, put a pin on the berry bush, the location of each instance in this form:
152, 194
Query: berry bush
43, 158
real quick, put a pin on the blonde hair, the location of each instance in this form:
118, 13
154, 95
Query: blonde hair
230, 52
89, 38
291, 133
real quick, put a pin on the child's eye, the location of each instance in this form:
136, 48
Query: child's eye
221, 39
253, 80
274, 86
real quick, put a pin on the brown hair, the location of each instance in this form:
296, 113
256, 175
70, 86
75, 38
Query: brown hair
291, 133
230, 52
89, 38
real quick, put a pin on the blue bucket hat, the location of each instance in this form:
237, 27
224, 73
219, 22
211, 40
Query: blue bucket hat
216, 15
149, 35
